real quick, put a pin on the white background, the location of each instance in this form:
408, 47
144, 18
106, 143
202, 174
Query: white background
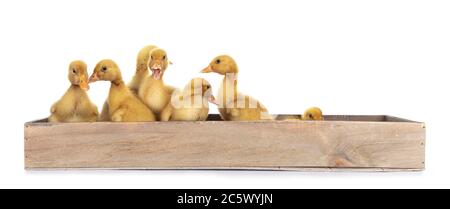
347, 57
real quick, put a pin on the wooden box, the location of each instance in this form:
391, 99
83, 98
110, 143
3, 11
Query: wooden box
355, 143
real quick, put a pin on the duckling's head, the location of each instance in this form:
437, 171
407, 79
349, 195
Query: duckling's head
78, 74
158, 63
222, 65
142, 58
106, 70
200, 85
313, 113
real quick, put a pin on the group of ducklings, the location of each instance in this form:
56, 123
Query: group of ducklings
148, 98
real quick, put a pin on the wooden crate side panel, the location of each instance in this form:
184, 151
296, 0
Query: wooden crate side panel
225, 145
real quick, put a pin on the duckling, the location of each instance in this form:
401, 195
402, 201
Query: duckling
313, 113
75, 105
234, 106
140, 74
123, 105
191, 104
153, 92
141, 68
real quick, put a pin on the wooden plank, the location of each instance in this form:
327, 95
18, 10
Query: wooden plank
276, 145
361, 118
356, 118
396, 119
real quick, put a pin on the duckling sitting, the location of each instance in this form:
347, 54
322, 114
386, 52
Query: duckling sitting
153, 92
139, 75
191, 104
75, 105
233, 105
123, 105
313, 113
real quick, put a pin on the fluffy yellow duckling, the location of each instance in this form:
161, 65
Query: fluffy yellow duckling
141, 68
191, 104
140, 74
123, 105
313, 113
233, 105
75, 105
153, 92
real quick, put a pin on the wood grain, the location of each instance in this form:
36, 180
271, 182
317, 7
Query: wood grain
379, 145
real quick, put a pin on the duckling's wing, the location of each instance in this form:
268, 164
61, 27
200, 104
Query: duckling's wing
118, 115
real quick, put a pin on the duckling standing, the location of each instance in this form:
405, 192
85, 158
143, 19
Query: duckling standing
75, 105
153, 92
191, 104
140, 74
233, 105
123, 105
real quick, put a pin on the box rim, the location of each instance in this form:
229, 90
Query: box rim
42, 122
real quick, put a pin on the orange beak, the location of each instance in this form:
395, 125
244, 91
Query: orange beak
207, 70
93, 78
157, 65
84, 84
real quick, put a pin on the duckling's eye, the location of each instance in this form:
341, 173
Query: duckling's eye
164, 58
104, 68
218, 61
74, 71
208, 87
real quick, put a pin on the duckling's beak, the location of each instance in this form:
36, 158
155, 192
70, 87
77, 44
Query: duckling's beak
213, 100
157, 71
207, 70
93, 78
84, 85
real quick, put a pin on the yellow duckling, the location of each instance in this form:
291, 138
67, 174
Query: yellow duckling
123, 105
153, 92
140, 74
233, 105
313, 113
141, 68
75, 105
191, 104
